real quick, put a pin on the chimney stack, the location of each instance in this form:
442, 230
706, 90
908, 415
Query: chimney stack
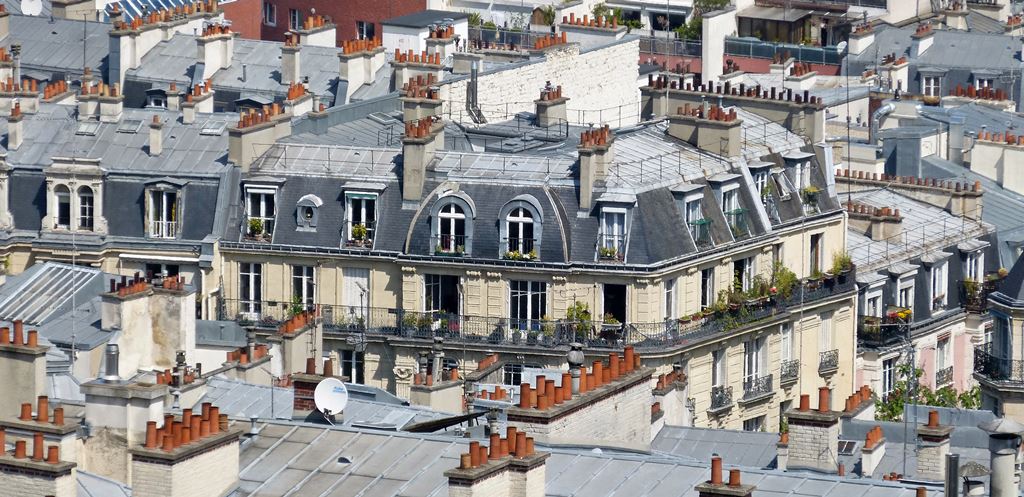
15, 128
111, 102
872, 452
933, 440
215, 48
595, 155
708, 127
551, 107
717, 486
921, 40
291, 58
418, 148
156, 136
317, 31
814, 434
861, 38
1003, 449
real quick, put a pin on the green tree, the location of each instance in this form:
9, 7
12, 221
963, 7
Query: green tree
893, 407
693, 29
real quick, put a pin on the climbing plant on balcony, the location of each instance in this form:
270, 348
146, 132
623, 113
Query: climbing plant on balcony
892, 408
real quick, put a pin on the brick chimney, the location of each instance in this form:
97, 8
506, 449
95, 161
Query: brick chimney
710, 128
291, 60
782, 452
359, 62
131, 40
198, 101
158, 319
15, 128
215, 48
862, 37
879, 223
195, 454
801, 77
873, 451
956, 16
419, 145
441, 41
298, 101
814, 435
717, 487
595, 156
89, 99
508, 467
23, 365
420, 98
317, 31
921, 40
41, 474
410, 65
551, 107
933, 443
118, 411
781, 64
156, 136
173, 97
304, 384
54, 429
255, 132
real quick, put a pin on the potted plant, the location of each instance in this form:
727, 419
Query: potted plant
783, 280
359, 236
814, 281
608, 253
810, 195
578, 316
255, 228
1002, 272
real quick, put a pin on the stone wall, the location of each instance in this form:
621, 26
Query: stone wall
208, 474
813, 444
602, 82
28, 483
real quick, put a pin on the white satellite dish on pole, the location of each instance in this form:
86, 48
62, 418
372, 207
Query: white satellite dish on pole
31, 7
330, 396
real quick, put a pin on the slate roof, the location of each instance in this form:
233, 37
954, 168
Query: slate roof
288, 459
246, 400
93, 485
55, 46
175, 60
743, 448
424, 18
220, 333
959, 49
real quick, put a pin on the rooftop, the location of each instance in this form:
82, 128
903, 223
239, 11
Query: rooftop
54, 45
424, 18
950, 49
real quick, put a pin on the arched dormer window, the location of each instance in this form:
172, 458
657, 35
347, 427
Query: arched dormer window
307, 212
520, 224
63, 197
452, 224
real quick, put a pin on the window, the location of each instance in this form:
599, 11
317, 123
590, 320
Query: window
931, 86
816, 252
365, 30
695, 222
362, 216
942, 354
754, 424
269, 14
1000, 337
527, 304
613, 230
974, 267
905, 297
742, 272
352, 366
162, 269
825, 333
888, 377
260, 212
707, 287
670, 299
730, 201
786, 342
753, 359
718, 368
63, 194
519, 225
294, 19
250, 287
938, 275
303, 286
163, 214
873, 305
451, 229
760, 181
441, 293
86, 208
983, 82
156, 101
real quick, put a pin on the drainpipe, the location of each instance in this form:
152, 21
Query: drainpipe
876, 120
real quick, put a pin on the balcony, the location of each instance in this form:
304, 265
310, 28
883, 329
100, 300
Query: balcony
360, 235
828, 362
721, 400
520, 249
450, 245
611, 248
163, 229
974, 295
700, 230
944, 377
995, 369
757, 388
258, 229
737, 220
881, 332
789, 372
701, 327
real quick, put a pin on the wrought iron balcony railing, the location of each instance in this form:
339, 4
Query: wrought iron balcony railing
721, 397
737, 220
944, 377
757, 387
828, 361
994, 367
450, 245
789, 371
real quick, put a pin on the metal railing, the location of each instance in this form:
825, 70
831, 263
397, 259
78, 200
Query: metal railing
450, 245
519, 248
789, 371
757, 49
611, 247
514, 331
996, 368
353, 240
828, 360
757, 386
505, 37
163, 229
700, 230
944, 377
670, 47
974, 294
721, 397
737, 219
877, 332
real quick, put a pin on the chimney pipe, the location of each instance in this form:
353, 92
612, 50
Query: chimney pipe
952, 487
1003, 453
112, 355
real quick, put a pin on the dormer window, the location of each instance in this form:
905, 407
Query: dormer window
86, 205
74, 192
734, 214
700, 228
307, 213
974, 265
452, 224
613, 234
260, 210
163, 213
361, 218
520, 228
938, 286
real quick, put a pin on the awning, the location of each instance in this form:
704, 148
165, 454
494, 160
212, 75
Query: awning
774, 14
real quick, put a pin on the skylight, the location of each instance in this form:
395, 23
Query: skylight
129, 126
213, 128
88, 128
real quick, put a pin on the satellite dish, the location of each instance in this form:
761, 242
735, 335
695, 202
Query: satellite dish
330, 396
31, 7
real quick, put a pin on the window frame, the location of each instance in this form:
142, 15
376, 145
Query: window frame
86, 208
931, 86
304, 285
268, 220
361, 198
294, 19
707, 287
615, 219
889, 372
272, 19
939, 281
532, 293
353, 361
62, 191
718, 368
786, 341
361, 30
250, 277
516, 218
826, 331
156, 217
669, 303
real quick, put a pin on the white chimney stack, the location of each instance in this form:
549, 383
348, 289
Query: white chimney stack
15, 128
156, 137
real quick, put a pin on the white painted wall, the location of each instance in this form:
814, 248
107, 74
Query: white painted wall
404, 38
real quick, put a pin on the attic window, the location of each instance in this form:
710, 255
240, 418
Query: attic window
129, 126
846, 447
88, 128
213, 128
382, 118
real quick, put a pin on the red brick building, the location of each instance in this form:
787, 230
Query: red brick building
354, 18
244, 16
